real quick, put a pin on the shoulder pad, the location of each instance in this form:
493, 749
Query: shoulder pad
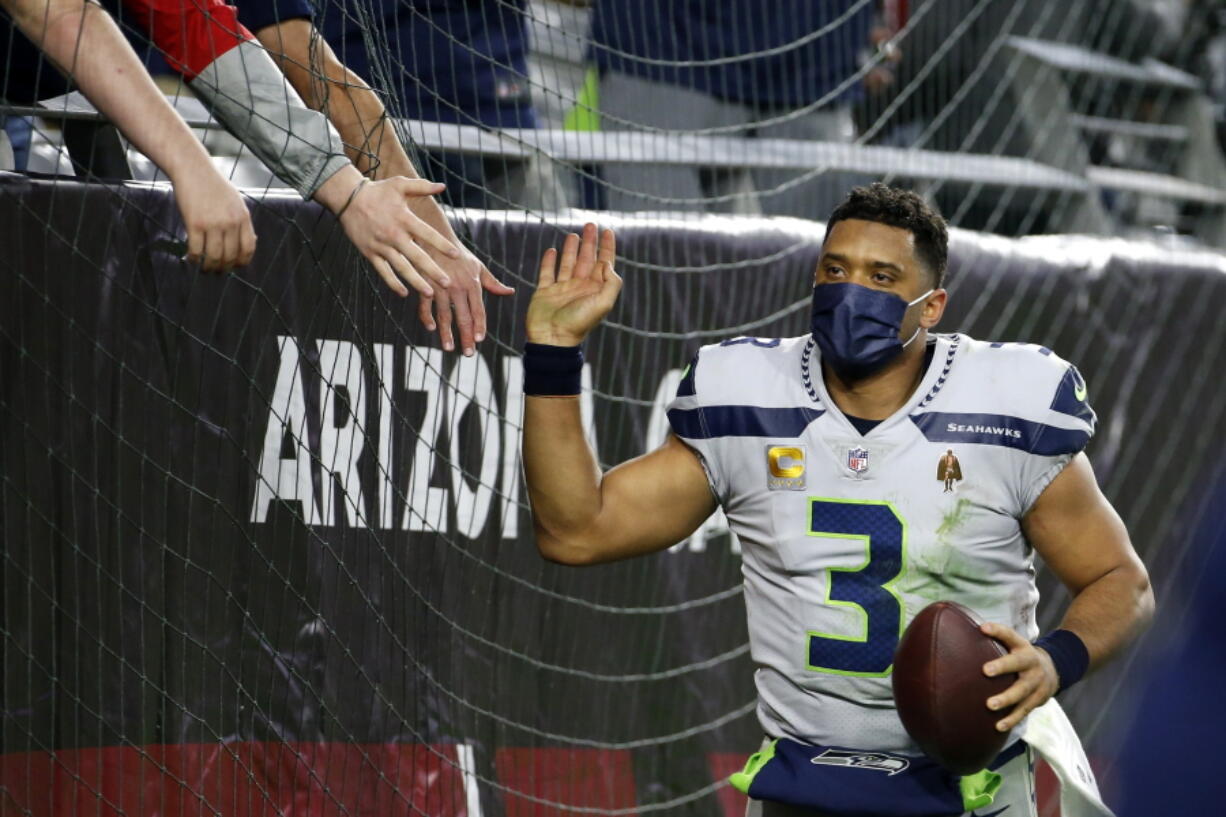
1018, 395
1024, 378
736, 369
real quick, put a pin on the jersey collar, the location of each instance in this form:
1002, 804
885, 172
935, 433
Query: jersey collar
933, 380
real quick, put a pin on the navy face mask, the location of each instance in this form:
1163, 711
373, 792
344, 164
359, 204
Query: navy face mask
857, 328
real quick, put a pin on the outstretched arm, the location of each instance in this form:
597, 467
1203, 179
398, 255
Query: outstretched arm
83, 40
326, 85
1084, 541
204, 41
372, 143
582, 516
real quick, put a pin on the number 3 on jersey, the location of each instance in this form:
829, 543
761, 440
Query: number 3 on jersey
866, 589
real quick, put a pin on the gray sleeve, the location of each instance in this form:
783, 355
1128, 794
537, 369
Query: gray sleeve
687, 420
250, 96
1065, 432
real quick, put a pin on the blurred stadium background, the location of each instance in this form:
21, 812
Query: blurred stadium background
266, 548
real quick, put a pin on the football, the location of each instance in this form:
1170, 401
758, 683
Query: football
941, 691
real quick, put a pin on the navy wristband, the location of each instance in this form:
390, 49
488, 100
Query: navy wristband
552, 371
1069, 654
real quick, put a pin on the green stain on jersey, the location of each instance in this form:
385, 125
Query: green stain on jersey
953, 520
943, 571
933, 564
925, 586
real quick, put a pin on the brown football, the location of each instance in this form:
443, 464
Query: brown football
941, 691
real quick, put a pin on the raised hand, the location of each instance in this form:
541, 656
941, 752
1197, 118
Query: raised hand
574, 291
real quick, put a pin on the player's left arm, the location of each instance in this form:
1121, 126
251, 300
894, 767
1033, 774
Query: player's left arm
1083, 540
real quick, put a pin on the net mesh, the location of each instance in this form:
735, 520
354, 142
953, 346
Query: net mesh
267, 548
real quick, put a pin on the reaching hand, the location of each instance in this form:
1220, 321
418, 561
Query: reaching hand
574, 294
219, 232
390, 236
469, 277
1037, 679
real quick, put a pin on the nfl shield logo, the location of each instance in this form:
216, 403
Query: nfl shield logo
857, 459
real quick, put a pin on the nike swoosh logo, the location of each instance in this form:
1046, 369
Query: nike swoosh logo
990, 813
1080, 393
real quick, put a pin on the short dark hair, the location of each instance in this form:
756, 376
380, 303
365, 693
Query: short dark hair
906, 209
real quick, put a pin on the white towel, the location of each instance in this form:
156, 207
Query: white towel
1050, 732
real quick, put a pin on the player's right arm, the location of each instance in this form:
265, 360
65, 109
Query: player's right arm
83, 40
582, 516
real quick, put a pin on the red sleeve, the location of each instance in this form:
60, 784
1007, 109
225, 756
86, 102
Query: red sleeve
191, 33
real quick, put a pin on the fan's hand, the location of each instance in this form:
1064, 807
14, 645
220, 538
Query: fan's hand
574, 292
379, 222
219, 233
462, 301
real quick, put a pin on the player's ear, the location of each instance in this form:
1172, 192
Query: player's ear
934, 308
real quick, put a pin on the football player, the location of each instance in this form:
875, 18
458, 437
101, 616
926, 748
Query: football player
821, 450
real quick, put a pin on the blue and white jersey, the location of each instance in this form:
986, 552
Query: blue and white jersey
847, 536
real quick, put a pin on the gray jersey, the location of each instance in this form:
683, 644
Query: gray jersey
846, 537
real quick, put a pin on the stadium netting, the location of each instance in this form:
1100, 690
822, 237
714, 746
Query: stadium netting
266, 548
